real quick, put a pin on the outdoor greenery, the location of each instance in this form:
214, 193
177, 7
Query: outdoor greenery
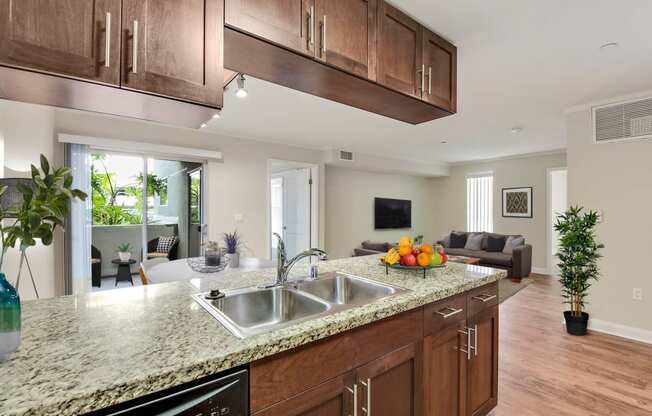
45, 205
578, 255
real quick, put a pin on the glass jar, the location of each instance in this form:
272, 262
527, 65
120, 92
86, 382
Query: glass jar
10, 319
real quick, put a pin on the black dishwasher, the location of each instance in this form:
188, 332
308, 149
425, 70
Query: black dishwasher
222, 395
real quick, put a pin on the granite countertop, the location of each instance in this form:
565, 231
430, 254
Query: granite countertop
83, 353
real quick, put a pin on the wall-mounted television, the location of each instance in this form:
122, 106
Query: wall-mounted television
392, 213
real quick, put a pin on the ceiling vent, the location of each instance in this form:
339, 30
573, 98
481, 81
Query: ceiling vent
346, 156
630, 120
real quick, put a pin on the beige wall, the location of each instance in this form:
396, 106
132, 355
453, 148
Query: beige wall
450, 198
349, 207
615, 178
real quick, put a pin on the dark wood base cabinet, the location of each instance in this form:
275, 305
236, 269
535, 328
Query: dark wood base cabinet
441, 360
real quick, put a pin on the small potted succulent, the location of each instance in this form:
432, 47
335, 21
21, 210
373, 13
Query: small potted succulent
124, 252
233, 243
212, 253
579, 252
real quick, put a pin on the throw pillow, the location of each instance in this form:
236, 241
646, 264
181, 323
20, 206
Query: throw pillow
495, 244
446, 241
165, 243
512, 242
458, 240
474, 241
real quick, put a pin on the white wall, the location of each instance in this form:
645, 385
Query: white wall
450, 198
350, 207
615, 178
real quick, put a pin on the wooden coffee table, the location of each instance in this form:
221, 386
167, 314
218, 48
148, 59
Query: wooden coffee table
463, 259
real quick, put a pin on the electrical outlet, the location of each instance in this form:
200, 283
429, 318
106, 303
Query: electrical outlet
637, 293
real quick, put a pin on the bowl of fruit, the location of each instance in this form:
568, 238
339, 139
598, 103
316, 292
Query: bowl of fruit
408, 256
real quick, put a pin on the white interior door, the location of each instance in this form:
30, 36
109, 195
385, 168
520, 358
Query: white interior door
294, 211
557, 204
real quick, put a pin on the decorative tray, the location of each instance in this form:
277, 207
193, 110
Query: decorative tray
198, 264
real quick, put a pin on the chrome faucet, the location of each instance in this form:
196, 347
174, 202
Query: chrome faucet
283, 266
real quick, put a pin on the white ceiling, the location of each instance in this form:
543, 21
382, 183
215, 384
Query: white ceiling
521, 63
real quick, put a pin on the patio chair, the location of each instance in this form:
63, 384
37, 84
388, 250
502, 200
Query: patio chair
154, 250
96, 267
146, 266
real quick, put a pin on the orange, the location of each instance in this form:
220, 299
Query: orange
404, 250
405, 241
424, 259
427, 248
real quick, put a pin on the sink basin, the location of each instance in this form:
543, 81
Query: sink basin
251, 311
343, 289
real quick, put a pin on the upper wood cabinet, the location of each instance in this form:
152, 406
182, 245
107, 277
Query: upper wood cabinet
174, 48
68, 37
289, 23
346, 35
440, 68
399, 51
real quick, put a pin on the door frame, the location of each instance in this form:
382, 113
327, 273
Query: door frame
550, 266
315, 202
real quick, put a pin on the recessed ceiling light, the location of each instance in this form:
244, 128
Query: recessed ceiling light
609, 46
202, 125
516, 129
444, 141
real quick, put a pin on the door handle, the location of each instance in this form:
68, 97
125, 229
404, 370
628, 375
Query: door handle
134, 65
469, 346
447, 312
429, 80
354, 391
423, 76
484, 297
367, 385
323, 36
311, 26
107, 42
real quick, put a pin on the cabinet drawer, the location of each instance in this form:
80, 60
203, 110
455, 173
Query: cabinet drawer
439, 315
482, 298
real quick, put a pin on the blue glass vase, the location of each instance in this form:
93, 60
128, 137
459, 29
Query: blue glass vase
9, 318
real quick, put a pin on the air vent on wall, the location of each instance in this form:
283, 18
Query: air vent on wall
344, 155
624, 121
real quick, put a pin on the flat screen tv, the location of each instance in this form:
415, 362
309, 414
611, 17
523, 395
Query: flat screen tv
392, 213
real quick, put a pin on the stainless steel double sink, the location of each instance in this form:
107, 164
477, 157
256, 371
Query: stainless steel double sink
251, 311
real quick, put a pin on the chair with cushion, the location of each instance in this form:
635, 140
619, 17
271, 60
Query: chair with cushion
96, 267
163, 247
147, 265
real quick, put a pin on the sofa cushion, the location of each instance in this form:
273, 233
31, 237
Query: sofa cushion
499, 259
462, 252
446, 241
375, 246
474, 241
512, 242
457, 240
495, 243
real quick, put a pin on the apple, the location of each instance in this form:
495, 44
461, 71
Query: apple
436, 259
444, 258
415, 251
409, 260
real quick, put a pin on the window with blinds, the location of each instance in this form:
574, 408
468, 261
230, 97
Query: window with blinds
479, 202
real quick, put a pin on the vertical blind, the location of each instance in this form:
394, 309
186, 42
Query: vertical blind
479, 202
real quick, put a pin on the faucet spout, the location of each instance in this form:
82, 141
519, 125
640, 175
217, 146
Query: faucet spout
284, 266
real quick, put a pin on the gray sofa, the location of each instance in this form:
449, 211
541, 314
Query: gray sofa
518, 264
371, 247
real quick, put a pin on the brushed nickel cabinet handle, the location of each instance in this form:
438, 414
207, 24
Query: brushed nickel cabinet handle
475, 342
354, 391
447, 312
134, 66
429, 80
484, 297
423, 76
311, 24
323, 35
367, 385
107, 42
466, 351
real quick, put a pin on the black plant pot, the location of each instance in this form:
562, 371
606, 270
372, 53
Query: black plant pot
575, 325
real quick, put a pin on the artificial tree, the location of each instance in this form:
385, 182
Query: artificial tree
579, 252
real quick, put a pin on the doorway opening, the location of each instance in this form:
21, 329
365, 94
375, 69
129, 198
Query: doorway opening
293, 206
557, 198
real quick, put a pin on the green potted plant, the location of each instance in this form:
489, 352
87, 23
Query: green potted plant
578, 255
124, 252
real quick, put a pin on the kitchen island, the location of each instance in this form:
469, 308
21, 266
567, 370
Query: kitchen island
86, 352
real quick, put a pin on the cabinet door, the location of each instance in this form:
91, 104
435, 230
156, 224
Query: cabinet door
390, 385
174, 48
289, 23
332, 398
440, 64
399, 51
347, 35
67, 37
482, 379
444, 374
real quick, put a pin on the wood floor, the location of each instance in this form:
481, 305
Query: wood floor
544, 371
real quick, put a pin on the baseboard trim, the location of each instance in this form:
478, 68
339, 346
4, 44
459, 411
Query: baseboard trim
611, 328
540, 270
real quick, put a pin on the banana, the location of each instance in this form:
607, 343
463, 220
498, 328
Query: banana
392, 257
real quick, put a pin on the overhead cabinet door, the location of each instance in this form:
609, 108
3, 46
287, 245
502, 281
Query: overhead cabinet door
347, 35
174, 48
440, 66
399, 51
78, 38
289, 23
